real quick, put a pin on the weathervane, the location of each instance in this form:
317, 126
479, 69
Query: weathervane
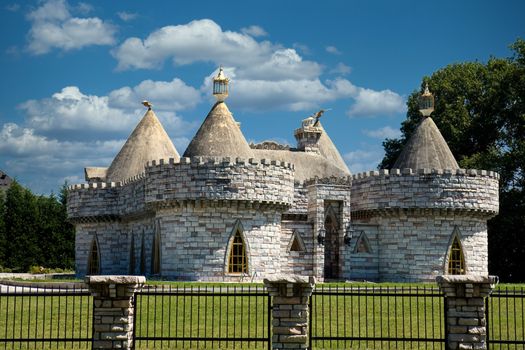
147, 104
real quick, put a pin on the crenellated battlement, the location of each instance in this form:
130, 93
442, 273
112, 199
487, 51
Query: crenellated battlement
190, 179
212, 178
461, 189
407, 171
197, 161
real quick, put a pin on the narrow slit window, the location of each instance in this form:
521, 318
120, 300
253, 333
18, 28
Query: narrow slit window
94, 259
456, 260
237, 262
132, 255
155, 262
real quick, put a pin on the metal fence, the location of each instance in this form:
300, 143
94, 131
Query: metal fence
202, 317
505, 318
45, 318
377, 318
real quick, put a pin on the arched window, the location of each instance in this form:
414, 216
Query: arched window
94, 258
155, 256
132, 255
142, 256
237, 258
456, 259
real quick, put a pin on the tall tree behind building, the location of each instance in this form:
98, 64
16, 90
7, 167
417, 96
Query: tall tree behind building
36, 231
480, 110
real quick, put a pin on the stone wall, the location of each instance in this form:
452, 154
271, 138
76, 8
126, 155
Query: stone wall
297, 262
424, 188
114, 242
362, 265
195, 239
195, 179
321, 191
414, 246
201, 178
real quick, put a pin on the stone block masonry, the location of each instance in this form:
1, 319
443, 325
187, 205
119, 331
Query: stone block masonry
113, 312
290, 313
465, 323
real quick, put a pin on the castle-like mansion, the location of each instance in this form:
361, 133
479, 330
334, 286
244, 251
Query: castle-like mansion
232, 211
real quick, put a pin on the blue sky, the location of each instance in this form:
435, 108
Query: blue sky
74, 73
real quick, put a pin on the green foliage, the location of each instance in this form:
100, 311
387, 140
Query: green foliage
34, 230
480, 110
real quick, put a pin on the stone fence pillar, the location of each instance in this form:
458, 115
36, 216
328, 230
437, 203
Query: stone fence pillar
465, 323
113, 310
290, 310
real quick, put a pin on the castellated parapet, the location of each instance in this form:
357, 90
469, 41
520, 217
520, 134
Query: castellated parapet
191, 179
475, 191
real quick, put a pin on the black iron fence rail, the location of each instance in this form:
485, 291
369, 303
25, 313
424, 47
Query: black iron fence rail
202, 317
377, 317
45, 318
505, 312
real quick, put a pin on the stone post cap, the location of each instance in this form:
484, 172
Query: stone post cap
467, 279
291, 278
114, 279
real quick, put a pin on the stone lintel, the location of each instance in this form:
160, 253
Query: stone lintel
466, 286
289, 285
115, 279
466, 279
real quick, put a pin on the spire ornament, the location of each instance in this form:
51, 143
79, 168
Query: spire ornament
426, 102
220, 86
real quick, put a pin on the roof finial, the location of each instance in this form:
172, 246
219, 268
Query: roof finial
147, 104
220, 85
426, 102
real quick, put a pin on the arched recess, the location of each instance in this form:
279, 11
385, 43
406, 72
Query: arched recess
132, 262
362, 245
142, 255
93, 267
296, 243
455, 259
237, 259
155, 254
331, 243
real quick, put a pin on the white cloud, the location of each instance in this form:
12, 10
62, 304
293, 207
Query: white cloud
127, 16
255, 31
383, 133
333, 50
165, 95
70, 110
205, 41
372, 103
341, 69
289, 94
363, 159
53, 26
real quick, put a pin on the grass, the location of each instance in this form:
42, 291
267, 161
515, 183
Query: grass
195, 314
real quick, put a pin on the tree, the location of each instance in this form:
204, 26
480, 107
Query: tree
21, 223
480, 110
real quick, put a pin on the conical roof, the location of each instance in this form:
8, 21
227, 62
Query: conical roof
219, 136
426, 148
329, 151
149, 141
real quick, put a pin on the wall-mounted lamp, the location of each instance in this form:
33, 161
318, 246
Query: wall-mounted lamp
348, 235
321, 236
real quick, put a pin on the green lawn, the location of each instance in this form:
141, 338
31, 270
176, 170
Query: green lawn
194, 314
